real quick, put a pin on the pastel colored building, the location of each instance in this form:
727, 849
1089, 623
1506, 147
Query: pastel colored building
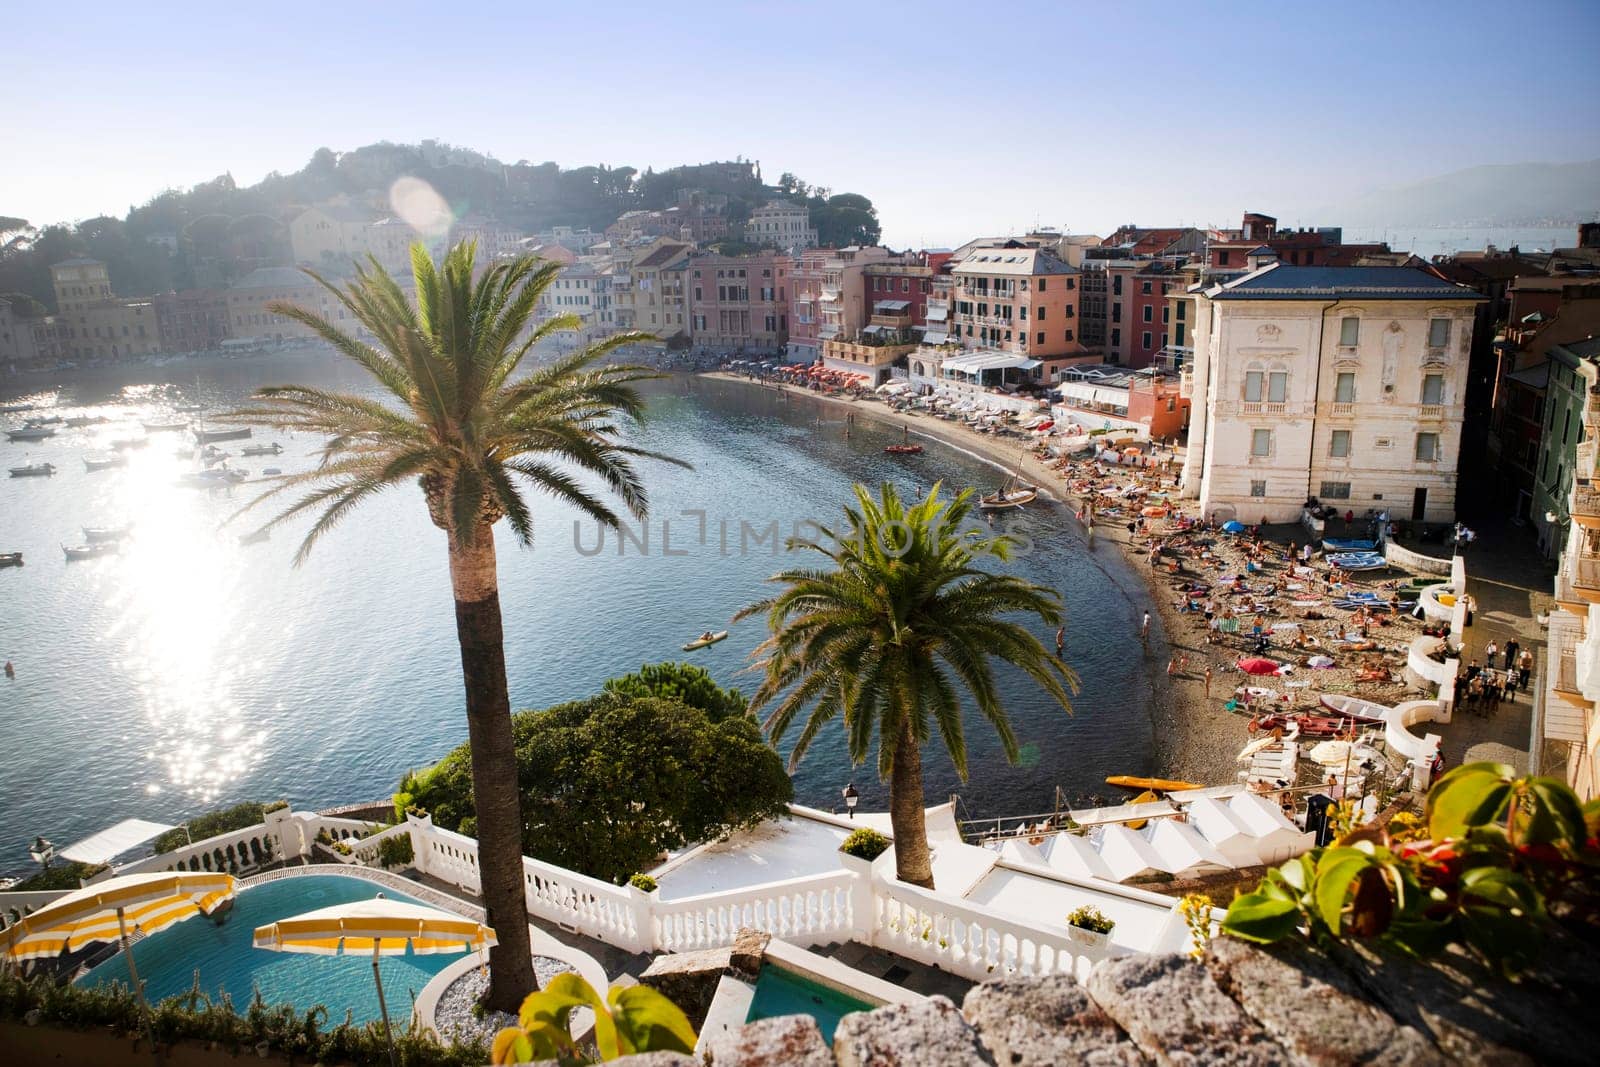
1017, 299
782, 224
739, 303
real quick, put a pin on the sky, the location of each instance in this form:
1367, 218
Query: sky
956, 119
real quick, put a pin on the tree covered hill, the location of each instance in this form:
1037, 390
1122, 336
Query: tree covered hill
219, 230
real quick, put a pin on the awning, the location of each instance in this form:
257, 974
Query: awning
938, 314
892, 305
873, 331
935, 337
1029, 364
973, 362
108, 844
828, 332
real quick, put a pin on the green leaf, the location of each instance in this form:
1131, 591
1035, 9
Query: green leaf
1260, 918
1505, 888
1559, 804
649, 1022
1337, 871
1474, 797
1299, 872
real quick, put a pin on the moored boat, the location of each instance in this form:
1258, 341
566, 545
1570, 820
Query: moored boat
903, 450
262, 450
43, 420
1008, 496
30, 433
1159, 785
203, 436
103, 548
215, 478
127, 443
85, 420
10, 559
707, 638
165, 427
34, 470
100, 463
97, 535
1354, 708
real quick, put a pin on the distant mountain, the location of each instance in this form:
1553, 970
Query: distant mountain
1514, 194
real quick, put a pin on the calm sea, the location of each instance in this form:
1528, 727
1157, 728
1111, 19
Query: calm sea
191, 671
1429, 242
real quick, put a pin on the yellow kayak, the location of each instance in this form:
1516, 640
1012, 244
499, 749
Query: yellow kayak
1147, 797
708, 639
1160, 785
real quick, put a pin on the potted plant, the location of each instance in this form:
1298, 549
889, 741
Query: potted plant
863, 846
642, 884
1088, 925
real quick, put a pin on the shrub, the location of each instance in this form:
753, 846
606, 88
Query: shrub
1089, 917
342, 848
865, 843
396, 851
276, 805
684, 682
64, 875
222, 821
643, 883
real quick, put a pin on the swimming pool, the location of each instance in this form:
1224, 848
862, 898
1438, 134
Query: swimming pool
227, 962
780, 991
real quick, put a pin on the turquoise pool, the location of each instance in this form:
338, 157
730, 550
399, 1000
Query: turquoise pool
783, 992
227, 962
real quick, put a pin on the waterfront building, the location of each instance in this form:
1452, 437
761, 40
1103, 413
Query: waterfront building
842, 304
739, 303
1018, 299
250, 321
17, 343
193, 320
335, 236
659, 298
1321, 246
805, 300
1106, 395
577, 241
92, 322
574, 292
1342, 384
782, 224
1124, 308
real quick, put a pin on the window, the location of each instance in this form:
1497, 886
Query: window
1335, 491
1339, 447
1144, 341
905, 285
1041, 337
1116, 338
1116, 285
1069, 335
1222, 261
1258, 487
1427, 447
1344, 388
1147, 313
1438, 333
1038, 313
1252, 387
1261, 442
1349, 331
1182, 309
1278, 386
1433, 389
1041, 284
1116, 312
1144, 287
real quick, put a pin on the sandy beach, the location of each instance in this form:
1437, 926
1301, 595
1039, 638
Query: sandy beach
1198, 737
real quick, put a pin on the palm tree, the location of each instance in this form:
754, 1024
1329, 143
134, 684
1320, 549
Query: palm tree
456, 422
903, 620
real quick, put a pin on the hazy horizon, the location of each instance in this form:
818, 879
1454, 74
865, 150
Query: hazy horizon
1191, 118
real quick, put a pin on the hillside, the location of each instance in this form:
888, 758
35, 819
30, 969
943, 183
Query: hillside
1516, 194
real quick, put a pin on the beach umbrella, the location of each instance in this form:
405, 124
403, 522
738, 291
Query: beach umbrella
1233, 526
112, 910
1258, 665
381, 927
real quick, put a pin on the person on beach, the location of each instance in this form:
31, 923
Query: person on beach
1208, 681
1144, 627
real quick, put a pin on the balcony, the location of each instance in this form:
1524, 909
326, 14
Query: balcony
1432, 412
1584, 467
1591, 415
1266, 407
1585, 505
1342, 408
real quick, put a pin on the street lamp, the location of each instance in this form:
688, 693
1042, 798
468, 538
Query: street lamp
851, 797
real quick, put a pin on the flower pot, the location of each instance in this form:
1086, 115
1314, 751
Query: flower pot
855, 864
1086, 938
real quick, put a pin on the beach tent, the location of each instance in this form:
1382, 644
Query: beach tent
1127, 853
1183, 849
1277, 838
1233, 526
1225, 831
1074, 856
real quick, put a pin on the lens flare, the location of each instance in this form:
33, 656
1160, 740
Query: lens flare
421, 206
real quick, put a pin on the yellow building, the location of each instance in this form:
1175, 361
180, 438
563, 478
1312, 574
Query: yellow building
334, 236
91, 323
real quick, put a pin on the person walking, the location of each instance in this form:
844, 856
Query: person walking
1490, 651
1513, 646
1144, 626
1208, 681
1525, 668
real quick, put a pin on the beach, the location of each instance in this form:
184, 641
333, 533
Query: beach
1198, 738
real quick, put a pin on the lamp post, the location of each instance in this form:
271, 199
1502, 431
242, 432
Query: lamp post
851, 797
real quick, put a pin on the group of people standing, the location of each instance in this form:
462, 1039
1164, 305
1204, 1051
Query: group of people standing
1482, 686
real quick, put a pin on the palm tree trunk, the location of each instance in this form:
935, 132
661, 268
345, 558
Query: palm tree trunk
912, 861
496, 796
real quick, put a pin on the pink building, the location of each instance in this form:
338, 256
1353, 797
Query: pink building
739, 303
805, 299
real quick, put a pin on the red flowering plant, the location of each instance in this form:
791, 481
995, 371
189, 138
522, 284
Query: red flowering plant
1483, 867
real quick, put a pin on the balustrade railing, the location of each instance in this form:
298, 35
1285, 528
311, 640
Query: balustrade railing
812, 910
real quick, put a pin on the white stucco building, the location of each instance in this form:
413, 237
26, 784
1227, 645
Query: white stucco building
1341, 383
783, 224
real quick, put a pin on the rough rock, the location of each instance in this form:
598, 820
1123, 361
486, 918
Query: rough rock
688, 979
1045, 1022
908, 1035
777, 1042
1177, 1015
1313, 1009
657, 1059
749, 946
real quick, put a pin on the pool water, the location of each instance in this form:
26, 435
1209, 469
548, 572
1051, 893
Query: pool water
783, 992
227, 962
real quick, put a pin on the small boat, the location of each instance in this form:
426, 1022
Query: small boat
34, 470
1012, 494
165, 427
85, 420
207, 436
10, 559
103, 548
707, 638
1354, 708
43, 420
30, 433
1159, 785
903, 450
216, 478
101, 463
262, 450
98, 535
271, 472
130, 442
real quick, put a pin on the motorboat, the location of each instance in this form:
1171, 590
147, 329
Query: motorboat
10, 559
262, 450
101, 463
707, 638
94, 551
43, 420
204, 437
903, 450
99, 535
34, 470
214, 455
165, 427
30, 433
271, 472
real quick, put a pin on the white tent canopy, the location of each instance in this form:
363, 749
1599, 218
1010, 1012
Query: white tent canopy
112, 842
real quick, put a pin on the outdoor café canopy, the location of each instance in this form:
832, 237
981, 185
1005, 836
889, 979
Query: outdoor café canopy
113, 908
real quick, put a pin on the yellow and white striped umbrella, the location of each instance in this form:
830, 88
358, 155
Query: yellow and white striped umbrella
384, 927
115, 908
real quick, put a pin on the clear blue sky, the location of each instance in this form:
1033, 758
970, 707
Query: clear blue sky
956, 119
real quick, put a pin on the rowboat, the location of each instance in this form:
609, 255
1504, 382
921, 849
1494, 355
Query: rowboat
103, 548
10, 559
30, 433
1354, 708
98, 535
262, 450
101, 463
207, 436
34, 470
903, 450
1159, 785
706, 639
165, 427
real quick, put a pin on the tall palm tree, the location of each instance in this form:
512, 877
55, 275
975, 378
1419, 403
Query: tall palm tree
456, 422
889, 635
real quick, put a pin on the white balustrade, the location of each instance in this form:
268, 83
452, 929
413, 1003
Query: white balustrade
586, 905
233, 852
810, 910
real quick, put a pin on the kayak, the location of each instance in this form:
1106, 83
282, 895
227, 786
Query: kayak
702, 642
1160, 785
